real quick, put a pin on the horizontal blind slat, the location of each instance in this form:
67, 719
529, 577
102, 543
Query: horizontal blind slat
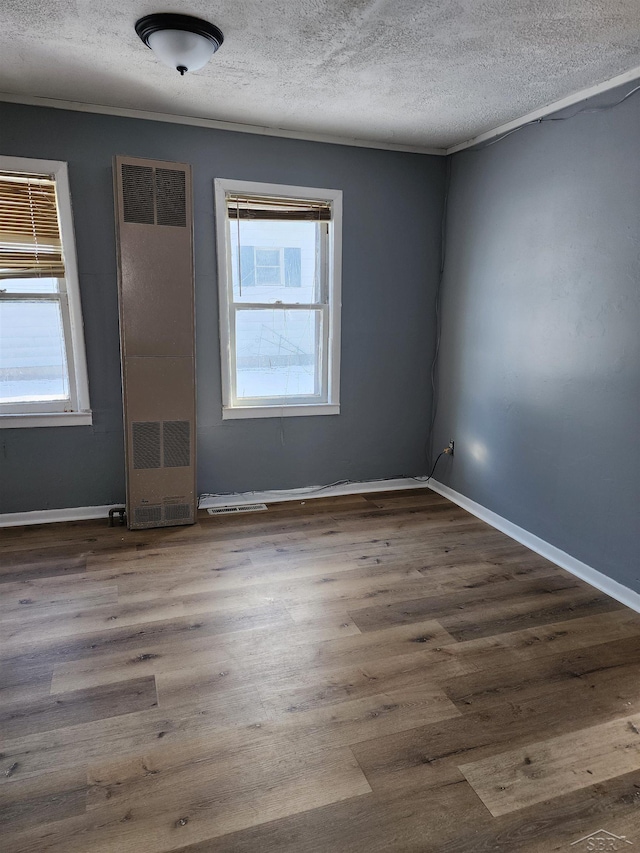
274, 208
30, 244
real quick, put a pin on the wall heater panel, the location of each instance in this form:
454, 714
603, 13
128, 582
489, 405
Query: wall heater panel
157, 339
156, 321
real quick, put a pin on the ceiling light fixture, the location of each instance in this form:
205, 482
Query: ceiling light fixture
180, 41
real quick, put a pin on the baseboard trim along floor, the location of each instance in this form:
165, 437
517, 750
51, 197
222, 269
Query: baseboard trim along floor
587, 573
51, 516
581, 570
81, 513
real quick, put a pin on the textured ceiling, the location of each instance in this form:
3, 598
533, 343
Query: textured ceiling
412, 72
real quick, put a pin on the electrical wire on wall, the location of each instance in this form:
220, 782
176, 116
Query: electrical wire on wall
446, 452
544, 119
313, 490
294, 494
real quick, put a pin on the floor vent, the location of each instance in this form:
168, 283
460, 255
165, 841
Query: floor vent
226, 510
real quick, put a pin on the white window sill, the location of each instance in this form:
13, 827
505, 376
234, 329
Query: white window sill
46, 419
229, 414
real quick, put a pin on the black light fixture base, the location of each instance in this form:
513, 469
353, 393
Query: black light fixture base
168, 21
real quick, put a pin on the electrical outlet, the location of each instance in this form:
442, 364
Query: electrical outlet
451, 446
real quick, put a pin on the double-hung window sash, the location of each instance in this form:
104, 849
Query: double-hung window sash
36, 353
278, 298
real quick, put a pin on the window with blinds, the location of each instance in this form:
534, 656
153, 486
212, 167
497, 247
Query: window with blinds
30, 244
277, 209
42, 369
279, 284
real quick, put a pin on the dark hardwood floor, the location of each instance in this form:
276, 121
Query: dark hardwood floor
345, 675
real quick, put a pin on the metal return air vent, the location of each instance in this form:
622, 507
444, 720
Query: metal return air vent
228, 510
170, 198
146, 444
149, 452
137, 194
176, 512
176, 444
154, 196
147, 514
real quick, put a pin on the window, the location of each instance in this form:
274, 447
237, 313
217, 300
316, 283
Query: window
43, 377
268, 265
279, 284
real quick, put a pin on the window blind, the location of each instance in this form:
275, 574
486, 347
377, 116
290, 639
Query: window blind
273, 208
30, 244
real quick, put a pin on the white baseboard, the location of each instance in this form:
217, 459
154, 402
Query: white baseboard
581, 570
587, 573
80, 513
278, 495
49, 516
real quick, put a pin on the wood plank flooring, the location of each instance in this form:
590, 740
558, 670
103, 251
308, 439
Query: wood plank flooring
341, 675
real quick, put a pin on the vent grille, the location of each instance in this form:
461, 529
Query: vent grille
171, 202
227, 510
177, 512
176, 439
146, 444
154, 196
147, 514
137, 194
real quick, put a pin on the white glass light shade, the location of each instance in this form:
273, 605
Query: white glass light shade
181, 49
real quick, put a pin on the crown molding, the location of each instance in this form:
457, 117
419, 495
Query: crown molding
238, 127
569, 101
215, 124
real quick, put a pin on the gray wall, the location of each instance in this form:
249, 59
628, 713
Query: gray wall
392, 209
540, 357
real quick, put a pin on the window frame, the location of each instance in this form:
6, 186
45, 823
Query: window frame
331, 310
77, 410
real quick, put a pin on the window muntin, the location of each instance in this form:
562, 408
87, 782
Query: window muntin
279, 296
42, 362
